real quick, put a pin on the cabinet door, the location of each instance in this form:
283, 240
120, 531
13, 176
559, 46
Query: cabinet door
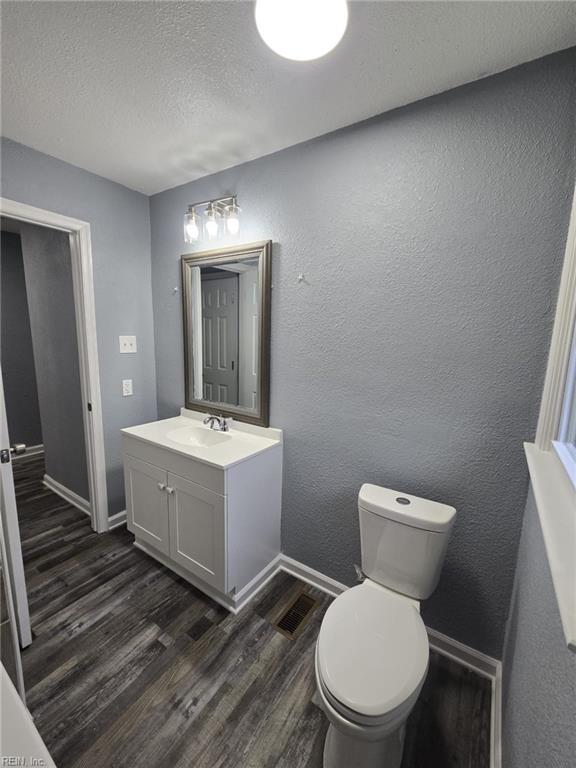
197, 530
147, 502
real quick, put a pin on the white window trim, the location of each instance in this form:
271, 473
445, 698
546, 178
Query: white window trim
565, 449
567, 455
548, 460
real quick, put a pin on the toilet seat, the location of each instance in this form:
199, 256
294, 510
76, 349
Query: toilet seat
372, 654
362, 726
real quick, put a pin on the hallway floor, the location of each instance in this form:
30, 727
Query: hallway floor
132, 666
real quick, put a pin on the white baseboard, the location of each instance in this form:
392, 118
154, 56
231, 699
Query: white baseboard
463, 654
310, 576
72, 498
496, 720
115, 521
233, 603
31, 450
483, 665
458, 652
244, 595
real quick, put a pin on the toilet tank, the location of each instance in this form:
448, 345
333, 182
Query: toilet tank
404, 539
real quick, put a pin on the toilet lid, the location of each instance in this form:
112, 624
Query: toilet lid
372, 650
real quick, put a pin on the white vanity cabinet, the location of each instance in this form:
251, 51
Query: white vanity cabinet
180, 519
198, 527
147, 502
215, 524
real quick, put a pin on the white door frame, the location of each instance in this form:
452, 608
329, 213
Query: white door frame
12, 560
84, 305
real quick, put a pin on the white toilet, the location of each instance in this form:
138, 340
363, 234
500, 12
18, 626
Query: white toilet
372, 650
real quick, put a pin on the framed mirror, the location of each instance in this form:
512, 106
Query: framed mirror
226, 306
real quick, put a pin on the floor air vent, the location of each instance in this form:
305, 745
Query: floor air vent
296, 616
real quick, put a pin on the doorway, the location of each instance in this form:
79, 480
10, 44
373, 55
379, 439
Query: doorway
40, 360
220, 337
74, 236
229, 345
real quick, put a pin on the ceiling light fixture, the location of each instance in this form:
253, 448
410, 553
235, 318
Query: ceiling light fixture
301, 30
226, 207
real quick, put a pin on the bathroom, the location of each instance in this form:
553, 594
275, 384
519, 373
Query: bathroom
408, 199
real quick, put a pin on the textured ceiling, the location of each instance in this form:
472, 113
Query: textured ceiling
154, 94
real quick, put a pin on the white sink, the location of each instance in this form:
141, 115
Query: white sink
197, 436
186, 434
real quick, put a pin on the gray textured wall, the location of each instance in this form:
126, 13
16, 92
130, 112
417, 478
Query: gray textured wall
120, 228
539, 692
16, 356
413, 355
48, 270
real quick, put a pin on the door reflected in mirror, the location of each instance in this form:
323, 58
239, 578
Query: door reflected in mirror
226, 295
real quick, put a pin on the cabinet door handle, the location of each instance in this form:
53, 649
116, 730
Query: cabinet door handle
161, 486
169, 490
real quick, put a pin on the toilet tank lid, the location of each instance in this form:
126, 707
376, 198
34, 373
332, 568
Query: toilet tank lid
407, 509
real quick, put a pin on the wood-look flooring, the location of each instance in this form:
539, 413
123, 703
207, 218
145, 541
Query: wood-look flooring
131, 666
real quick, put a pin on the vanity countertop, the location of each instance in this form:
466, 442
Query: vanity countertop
188, 436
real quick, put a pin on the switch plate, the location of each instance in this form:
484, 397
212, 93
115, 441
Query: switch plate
127, 387
127, 344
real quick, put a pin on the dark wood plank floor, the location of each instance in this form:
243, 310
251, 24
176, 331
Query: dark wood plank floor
132, 666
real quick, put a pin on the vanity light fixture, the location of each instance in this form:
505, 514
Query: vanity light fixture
301, 30
196, 224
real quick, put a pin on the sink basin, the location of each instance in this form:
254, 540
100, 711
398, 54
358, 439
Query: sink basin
187, 435
197, 436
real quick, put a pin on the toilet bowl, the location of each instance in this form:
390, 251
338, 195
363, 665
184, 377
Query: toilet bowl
371, 662
372, 650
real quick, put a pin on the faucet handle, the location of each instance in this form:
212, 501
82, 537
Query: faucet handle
223, 424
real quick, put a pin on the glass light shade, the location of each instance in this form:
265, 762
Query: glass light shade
233, 219
191, 230
301, 30
211, 224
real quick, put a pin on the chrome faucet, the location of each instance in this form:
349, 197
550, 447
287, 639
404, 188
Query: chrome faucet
218, 423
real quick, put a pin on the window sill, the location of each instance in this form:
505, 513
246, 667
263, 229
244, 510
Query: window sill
556, 502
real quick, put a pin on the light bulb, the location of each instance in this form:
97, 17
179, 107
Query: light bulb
301, 29
233, 219
212, 228
211, 223
233, 225
191, 231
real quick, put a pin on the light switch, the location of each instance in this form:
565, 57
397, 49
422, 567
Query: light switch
127, 387
127, 344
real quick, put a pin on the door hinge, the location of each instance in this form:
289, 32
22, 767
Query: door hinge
5, 456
